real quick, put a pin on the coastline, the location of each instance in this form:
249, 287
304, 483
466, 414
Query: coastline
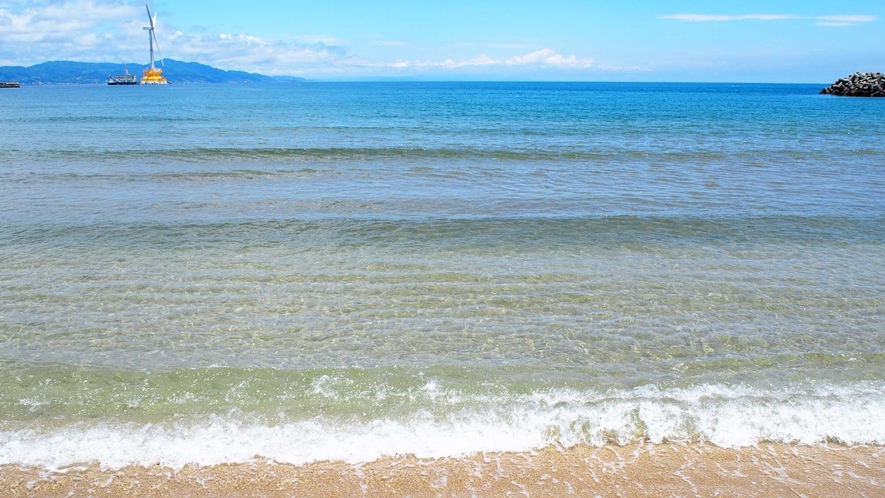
684, 469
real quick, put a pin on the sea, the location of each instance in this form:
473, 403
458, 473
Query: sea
344, 272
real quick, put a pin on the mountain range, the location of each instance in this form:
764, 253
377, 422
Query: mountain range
68, 72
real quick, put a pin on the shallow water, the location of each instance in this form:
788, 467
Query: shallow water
208, 273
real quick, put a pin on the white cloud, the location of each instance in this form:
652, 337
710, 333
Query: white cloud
36, 24
481, 60
531, 58
108, 31
821, 20
545, 57
611, 68
843, 20
549, 57
111, 31
252, 53
847, 18
85, 30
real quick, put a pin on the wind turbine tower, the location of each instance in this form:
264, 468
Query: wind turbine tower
153, 76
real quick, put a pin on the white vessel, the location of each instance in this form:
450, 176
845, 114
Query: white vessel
123, 79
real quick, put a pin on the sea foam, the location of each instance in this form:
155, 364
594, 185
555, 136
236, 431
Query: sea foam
724, 416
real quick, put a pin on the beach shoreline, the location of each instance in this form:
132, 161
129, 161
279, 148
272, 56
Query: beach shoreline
670, 469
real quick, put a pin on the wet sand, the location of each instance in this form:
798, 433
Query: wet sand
635, 470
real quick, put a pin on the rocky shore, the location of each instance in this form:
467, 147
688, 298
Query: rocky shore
858, 85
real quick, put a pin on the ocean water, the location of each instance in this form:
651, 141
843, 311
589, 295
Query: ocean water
333, 271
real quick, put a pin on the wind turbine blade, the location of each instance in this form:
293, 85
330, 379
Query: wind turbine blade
157, 43
151, 19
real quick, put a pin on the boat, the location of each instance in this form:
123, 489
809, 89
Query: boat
123, 79
10, 84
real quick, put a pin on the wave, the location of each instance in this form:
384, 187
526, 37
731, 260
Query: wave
177, 176
468, 231
725, 416
346, 154
607, 154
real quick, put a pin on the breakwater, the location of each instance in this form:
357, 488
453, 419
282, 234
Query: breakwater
858, 85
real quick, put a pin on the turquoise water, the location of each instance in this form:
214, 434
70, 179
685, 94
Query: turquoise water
341, 271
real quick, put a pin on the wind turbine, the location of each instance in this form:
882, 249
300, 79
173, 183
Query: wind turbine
153, 76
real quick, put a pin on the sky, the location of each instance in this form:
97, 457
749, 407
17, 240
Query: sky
568, 40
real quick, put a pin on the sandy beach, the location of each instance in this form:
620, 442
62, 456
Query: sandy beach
633, 470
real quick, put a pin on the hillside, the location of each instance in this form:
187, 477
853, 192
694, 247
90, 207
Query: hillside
67, 72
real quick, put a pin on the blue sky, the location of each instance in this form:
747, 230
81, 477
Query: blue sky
789, 41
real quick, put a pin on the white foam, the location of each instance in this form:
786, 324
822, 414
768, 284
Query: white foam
725, 416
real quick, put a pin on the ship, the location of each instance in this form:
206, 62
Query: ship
9, 84
123, 79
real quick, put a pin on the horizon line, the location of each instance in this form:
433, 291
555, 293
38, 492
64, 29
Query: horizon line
414, 79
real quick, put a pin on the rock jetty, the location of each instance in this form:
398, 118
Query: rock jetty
858, 85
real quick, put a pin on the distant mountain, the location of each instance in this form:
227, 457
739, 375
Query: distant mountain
66, 72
